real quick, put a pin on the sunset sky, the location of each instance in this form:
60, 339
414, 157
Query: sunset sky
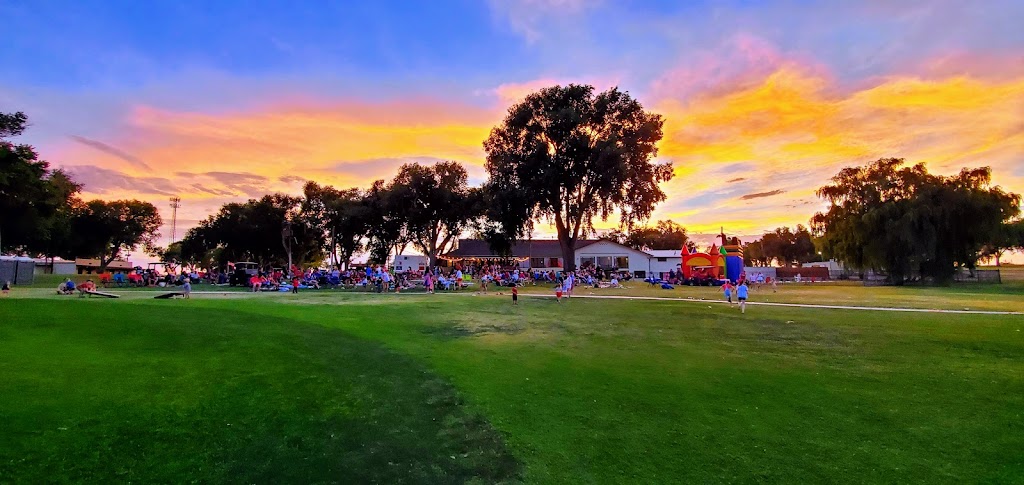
764, 101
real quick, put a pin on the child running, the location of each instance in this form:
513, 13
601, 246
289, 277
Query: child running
727, 290
558, 293
741, 295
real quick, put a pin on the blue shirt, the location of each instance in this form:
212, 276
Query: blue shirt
741, 291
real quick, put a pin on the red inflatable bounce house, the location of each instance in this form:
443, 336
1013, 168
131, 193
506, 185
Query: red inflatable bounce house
720, 262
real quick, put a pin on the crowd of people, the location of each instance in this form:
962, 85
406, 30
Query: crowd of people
380, 279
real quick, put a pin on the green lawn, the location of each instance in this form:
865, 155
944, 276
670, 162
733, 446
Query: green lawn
332, 386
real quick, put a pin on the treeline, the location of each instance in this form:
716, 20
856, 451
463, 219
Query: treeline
427, 207
42, 215
903, 222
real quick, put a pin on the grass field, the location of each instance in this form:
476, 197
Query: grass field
334, 386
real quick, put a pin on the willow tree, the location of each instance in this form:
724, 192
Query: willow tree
566, 155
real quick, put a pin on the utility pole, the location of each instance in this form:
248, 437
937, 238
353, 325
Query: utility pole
175, 203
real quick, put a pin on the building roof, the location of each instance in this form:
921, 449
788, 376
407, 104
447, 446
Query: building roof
665, 253
528, 248
95, 263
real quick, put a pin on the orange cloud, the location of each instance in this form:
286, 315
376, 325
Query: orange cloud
793, 130
775, 137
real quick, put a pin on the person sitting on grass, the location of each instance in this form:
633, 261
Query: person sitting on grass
614, 283
87, 287
254, 282
66, 288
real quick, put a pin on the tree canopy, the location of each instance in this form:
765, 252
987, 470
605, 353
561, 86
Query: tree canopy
663, 235
339, 217
908, 223
435, 203
105, 230
252, 231
34, 199
568, 155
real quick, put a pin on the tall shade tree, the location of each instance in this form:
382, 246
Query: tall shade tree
567, 155
106, 230
340, 216
436, 204
252, 231
787, 246
387, 229
663, 235
909, 223
35, 200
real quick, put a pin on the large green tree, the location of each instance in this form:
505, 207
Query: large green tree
35, 200
107, 229
436, 203
568, 155
340, 216
387, 231
788, 247
252, 231
909, 223
663, 235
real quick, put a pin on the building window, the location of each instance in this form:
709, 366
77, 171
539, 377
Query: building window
588, 261
536, 262
639, 274
622, 262
553, 263
662, 260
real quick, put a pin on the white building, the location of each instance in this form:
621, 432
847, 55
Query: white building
665, 260
409, 262
611, 255
546, 254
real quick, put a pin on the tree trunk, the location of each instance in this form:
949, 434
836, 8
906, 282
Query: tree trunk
568, 245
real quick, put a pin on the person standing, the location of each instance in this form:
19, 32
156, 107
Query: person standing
186, 288
295, 284
515, 295
6, 288
741, 295
558, 292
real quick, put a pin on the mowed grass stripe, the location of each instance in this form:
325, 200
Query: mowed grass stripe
143, 392
650, 391
655, 391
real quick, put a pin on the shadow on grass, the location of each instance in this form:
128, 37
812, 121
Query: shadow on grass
215, 395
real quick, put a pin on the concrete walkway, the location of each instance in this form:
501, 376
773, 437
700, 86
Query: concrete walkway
796, 305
